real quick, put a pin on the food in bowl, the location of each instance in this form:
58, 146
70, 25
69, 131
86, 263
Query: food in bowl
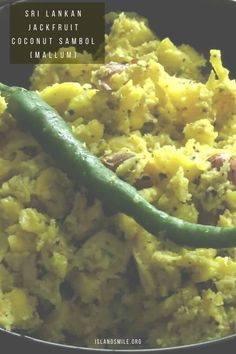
73, 270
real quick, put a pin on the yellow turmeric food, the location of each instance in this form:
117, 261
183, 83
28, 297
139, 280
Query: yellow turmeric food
72, 270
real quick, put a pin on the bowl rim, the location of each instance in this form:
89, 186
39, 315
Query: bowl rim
199, 345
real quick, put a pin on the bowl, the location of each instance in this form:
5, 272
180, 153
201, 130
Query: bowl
204, 24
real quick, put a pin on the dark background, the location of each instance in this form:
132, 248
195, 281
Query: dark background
204, 24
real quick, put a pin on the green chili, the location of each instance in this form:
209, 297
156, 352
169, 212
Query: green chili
56, 138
